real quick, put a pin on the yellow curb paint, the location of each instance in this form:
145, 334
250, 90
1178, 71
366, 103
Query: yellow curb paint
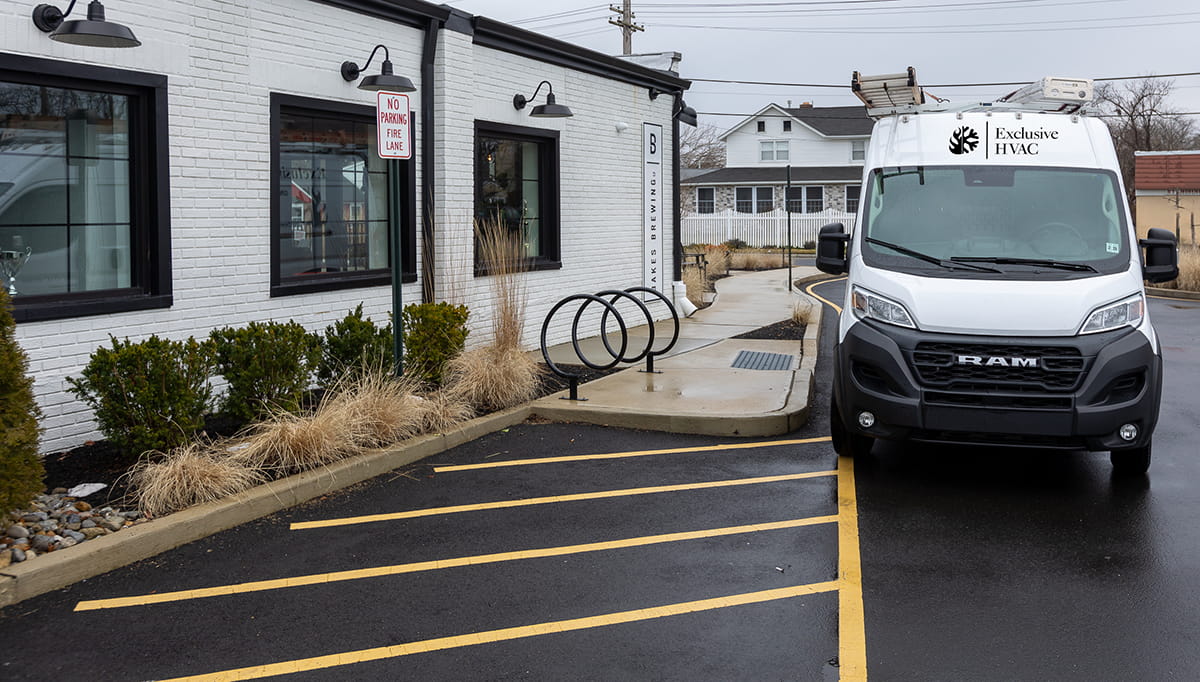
398, 569
809, 290
505, 634
506, 504
852, 638
622, 455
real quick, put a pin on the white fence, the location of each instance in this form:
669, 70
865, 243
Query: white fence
759, 229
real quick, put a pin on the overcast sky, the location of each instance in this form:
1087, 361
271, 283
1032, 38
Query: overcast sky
947, 41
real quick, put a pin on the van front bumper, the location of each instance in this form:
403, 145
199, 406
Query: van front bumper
961, 389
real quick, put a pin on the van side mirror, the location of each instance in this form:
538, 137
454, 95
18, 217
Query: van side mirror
1161, 256
832, 243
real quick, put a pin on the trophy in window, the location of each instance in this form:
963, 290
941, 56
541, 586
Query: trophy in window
11, 263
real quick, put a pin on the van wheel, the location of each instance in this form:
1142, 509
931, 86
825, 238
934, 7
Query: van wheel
846, 443
1131, 462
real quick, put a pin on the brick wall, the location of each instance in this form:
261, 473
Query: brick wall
223, 59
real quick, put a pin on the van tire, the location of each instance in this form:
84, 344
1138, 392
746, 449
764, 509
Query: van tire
1130, 462
845, 442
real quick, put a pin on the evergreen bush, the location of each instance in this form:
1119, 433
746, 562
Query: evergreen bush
21, 471
269, 366
433, 333
352, 345
150, 395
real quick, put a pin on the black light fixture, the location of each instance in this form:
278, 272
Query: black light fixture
686, 114
93, 31
386, 80
550, 109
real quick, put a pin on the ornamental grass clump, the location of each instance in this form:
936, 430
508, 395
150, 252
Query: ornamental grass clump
696, 283
1189, 269
493, 378
21, 471
288, 443
196, 473
755, 260
378, 409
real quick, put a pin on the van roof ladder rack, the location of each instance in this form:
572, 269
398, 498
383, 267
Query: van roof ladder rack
898, 93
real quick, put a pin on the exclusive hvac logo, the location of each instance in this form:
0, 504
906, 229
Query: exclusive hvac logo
964, 140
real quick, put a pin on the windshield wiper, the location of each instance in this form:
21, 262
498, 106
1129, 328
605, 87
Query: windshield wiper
1061, 265
948, 264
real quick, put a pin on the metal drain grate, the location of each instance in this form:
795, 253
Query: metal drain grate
752, 359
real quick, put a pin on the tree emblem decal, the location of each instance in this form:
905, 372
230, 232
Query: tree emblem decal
964, 140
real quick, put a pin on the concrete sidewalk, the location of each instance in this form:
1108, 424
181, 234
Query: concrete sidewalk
697, 389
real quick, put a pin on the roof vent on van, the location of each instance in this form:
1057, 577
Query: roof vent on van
1051, 92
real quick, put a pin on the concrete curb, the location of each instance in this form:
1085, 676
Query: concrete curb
59, 569
1173, 293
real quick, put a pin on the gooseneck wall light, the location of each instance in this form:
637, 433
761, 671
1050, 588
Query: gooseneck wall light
550, 109
93, 31
386, 80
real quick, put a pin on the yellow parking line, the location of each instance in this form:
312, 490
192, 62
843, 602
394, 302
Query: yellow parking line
852, 638
505, 634
506, 504
479, 559
622, 455
810, 292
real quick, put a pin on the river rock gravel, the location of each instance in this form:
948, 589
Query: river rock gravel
55, 521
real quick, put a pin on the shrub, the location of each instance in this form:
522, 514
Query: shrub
433, 333
150, 395
268, 366
21, 471
809, 245
353, 346
735, 244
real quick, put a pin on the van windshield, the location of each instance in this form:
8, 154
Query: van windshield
1022, 222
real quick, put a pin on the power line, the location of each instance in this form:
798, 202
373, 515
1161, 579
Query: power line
987, 5
942, 85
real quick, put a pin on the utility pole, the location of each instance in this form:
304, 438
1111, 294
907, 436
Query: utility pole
625, 22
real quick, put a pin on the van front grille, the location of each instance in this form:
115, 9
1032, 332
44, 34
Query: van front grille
1009, 368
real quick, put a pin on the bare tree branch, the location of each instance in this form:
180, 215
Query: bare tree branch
701, 147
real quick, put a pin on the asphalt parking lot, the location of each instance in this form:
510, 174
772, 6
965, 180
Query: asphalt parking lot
548, 551
564, 551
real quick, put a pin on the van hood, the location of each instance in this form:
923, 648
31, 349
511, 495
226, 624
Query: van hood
999, 307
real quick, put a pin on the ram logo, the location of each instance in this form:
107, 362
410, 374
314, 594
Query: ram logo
996, 361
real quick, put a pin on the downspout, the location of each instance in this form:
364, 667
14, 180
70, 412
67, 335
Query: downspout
678, 288
428, 143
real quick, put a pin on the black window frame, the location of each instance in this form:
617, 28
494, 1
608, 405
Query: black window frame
549, 194
787, 126
402, 204
762, 126
709, 203
798, 198
856, 199
149, 180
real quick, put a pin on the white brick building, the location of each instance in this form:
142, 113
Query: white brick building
223, 172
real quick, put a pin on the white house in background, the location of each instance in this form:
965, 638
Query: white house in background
825, 147
224, 171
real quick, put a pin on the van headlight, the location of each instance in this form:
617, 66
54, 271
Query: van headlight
876, 307
1128, 312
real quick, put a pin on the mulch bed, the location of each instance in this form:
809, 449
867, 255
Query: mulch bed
100, 462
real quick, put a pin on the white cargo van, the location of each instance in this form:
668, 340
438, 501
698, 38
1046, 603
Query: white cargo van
995, 281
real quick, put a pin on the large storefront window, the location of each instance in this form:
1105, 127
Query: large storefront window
332, 198
516, 186
78, 201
